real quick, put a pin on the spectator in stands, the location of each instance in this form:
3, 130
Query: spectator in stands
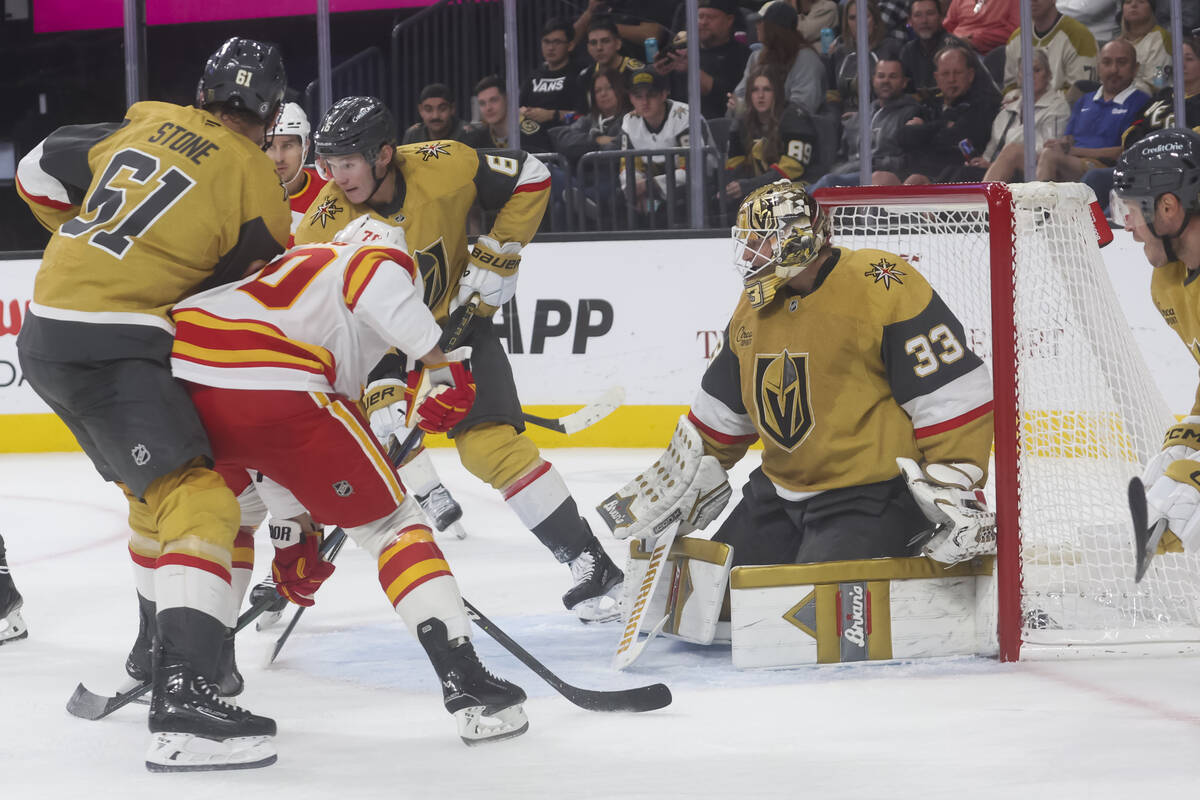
983, 24
890, 110
601, 128
813, 16
492, 130
438, 119
1150, 40
769, 140
934, 139
785, 48
656, 123
893, 14
634, 21
925, 20
1191, 14
554, 92
1067, 42
1158, 115
722, 58
604, 46
1100, 16
1004, 156
843, 56
1093, 137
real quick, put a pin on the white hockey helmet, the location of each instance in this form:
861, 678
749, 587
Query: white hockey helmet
368, 230
292, 121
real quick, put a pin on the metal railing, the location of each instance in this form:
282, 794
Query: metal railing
599, 200
362, 73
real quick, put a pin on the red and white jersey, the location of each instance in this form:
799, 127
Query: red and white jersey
303, 197
317, 318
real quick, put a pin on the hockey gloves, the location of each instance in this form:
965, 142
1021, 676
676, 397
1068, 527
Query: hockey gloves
491, 273
440, 395
385, 402
298, 569
946, 494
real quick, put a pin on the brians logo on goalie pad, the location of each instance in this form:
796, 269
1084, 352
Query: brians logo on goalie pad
617, 511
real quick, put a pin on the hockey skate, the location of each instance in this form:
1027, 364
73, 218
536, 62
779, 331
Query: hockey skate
595, 597
486, 708
194, 730
274, 611
443, 511
12, 625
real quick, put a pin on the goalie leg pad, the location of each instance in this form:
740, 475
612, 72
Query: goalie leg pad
692, 592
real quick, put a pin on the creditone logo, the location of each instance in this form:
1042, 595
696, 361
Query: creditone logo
781, 397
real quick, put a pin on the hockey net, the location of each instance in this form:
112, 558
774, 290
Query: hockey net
1077, 412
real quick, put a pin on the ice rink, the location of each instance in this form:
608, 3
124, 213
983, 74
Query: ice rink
360, 713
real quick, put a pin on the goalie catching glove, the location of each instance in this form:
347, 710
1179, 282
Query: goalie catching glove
298, 569
491, 273
684, 484
946, 493
434, 398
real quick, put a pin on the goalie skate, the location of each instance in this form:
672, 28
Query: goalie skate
486, 708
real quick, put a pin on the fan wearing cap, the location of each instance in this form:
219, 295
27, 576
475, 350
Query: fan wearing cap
1156, 195
288, 148
722, 58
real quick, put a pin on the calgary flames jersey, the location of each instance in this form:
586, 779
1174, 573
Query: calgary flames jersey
437, 183
145, 213
1176, 294
317, 318
303, 197
868, 366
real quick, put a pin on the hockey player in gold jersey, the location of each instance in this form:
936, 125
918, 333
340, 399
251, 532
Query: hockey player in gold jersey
1156, 196
145, 213
849, 368
428, 189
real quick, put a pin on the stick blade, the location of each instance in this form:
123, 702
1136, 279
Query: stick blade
636, 700
1145, 538
86, 704
586, 417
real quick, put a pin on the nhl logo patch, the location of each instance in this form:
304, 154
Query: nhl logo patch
343, 488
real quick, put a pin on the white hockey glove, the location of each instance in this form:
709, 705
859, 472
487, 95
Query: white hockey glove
963, 527
1176, 496
1182, 441
491, 273
385, 406
683, 484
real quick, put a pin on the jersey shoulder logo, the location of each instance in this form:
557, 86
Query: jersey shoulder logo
326, 212
781, 398
433, 150
743, 337
884, 271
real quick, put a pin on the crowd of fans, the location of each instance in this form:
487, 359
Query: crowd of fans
779, 95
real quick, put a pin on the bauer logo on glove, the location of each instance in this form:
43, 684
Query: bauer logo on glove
441, 395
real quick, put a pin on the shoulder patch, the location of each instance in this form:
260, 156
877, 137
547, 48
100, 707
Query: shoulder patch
885, 272
743, 337
433, 150
325, 212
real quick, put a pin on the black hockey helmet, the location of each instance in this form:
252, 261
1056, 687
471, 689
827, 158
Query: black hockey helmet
246, 75
1164, 162
355, 125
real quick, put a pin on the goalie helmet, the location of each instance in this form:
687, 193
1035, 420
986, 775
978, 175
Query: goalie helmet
368, 230
352, 125
246, 75
1165, 162
778, 233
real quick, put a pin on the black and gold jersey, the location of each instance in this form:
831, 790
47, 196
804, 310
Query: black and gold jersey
145, 213
837, 383
437, 183
797, 137
1176, 295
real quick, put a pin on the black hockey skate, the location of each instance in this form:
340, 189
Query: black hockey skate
229, 679
274, 611
595, 595
487, 708
443, 510
195, 730
12, 625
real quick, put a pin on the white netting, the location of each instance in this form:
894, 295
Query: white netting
1089, 412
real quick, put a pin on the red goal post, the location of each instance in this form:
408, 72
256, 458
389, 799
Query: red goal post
1076, 411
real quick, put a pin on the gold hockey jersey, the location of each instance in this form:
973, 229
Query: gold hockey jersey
437, 183
1176, 294
868, 366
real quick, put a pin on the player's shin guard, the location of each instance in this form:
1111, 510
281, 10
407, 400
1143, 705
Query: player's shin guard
417, 581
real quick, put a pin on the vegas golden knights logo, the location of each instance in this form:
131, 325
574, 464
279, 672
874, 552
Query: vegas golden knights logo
781, 397
434, 271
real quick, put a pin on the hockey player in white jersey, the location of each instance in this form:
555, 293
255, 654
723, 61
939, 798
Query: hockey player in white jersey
274, 364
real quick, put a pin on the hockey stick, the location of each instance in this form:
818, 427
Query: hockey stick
585, 417
329, 551
641, 698
1145, 538
630, 647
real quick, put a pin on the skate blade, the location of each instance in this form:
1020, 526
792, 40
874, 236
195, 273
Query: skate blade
16, 628
185, 752
605, 608
457, 529
267, 619
476, 728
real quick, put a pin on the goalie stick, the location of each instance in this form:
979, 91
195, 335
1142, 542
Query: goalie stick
630, 646
1145, 538
641, 698
329, 551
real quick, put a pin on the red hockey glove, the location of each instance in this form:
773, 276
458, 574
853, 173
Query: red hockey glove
439, 396
299, 570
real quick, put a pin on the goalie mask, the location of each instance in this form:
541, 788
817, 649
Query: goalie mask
368, 230
1165, 162
778, 233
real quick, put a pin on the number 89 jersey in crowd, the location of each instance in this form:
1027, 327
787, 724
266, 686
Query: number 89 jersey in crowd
868, 366
317, 318
145, 212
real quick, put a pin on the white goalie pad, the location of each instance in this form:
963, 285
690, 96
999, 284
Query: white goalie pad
963, 526
692, 591
683, 485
